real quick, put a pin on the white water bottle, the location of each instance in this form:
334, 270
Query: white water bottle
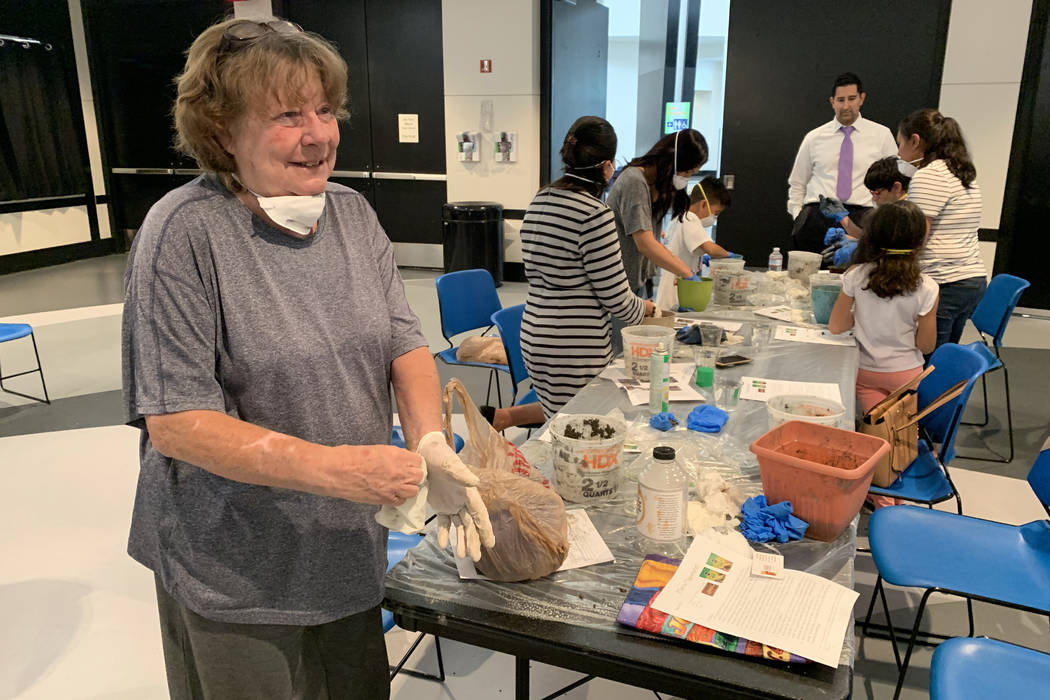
659, 379
663, 491
776, 261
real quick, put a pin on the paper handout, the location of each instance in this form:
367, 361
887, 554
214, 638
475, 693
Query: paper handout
760, 389
813, 335
800, 613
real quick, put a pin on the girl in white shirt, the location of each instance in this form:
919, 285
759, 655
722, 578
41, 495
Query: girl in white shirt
889, 301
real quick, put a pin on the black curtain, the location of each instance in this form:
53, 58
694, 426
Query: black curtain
41, 153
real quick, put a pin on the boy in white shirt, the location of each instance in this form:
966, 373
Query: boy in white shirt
689, 239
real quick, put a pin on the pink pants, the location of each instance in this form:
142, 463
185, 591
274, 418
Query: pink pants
873, 387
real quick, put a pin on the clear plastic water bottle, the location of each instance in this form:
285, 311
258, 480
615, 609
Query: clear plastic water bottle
776, 260
663, 492
659, 379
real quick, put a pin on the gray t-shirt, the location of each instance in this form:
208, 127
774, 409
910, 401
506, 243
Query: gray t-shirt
225, 313
632, 207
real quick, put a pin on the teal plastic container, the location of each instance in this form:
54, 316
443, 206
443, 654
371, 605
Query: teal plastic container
824, 290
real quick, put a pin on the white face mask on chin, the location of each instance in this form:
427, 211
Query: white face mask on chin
296, 213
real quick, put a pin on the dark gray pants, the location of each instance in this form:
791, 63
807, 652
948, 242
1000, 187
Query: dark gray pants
208, 660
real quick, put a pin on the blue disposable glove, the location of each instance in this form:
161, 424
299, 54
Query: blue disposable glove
705, 260
762, 522
844, 254
663, 421
735, 255
834, 235
684, 309
694, 278
688, 334
833, 209
706, 418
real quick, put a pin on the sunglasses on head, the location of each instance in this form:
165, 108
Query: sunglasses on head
245, 32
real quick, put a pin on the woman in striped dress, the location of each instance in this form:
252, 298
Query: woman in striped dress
576, 276
945, 188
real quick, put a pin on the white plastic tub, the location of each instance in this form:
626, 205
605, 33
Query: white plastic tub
811, 409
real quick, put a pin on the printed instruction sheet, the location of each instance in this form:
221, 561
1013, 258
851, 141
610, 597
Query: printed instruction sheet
680, 387
800, 613
759, 389
586, 547
813, 335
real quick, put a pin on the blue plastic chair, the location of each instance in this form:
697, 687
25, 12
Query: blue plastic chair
508, 322
926, 480
397, 547
466, 301
14, 331
990, 317
976, 559
982, 668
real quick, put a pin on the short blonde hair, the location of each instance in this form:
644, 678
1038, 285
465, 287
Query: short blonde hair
217, 88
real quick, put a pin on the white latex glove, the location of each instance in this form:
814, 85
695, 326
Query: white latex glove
454, 497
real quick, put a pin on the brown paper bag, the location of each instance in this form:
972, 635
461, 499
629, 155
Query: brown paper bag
528, 517
895, 419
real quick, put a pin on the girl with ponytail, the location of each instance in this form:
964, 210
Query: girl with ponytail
944, 187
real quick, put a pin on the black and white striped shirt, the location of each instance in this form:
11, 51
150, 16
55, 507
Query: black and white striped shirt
576, 283
951, 252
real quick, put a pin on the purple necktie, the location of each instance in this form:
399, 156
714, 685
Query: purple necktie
844, 186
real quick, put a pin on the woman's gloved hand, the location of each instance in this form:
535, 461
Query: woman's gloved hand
833, 209
454, 497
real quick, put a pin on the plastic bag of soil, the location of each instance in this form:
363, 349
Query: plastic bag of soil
528, 518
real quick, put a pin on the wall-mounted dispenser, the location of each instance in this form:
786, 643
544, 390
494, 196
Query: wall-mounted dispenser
505, 146
469, 146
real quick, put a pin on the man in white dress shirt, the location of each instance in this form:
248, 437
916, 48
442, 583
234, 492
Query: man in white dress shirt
831, 162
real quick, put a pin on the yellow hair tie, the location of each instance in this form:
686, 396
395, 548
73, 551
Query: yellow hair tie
898, 251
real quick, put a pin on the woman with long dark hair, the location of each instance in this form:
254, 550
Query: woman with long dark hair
576, 277
944, 186
646, 189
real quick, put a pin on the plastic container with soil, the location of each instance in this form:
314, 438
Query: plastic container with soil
695, 295
824, 291
724, 271
587, 449
639, 342
825, 472
811, 409
802, 264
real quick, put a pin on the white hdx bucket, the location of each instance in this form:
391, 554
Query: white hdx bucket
802, 264
810, 409
726, 272
587, 464
639, 342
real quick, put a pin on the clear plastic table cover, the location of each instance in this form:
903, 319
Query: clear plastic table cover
592, 596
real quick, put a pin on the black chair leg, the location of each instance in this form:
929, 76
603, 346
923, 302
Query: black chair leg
39, 369
889, 626
911, 643
984, 396
969, 614
1009, 412
1009, 423
871, 606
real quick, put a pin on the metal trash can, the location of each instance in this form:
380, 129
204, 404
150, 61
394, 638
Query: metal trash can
472, 237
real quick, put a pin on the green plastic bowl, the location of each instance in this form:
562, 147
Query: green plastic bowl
695, 295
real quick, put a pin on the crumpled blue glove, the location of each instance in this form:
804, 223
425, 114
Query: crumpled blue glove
762, 522
705, 260
694, 278
844, 254
706, 418
663, 421
690, 334
834, 235
684, 309
833, 209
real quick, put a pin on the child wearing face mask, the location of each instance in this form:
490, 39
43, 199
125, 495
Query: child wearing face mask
688, 236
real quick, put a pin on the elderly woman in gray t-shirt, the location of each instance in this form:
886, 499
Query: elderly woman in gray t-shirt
264, 324
646, 189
